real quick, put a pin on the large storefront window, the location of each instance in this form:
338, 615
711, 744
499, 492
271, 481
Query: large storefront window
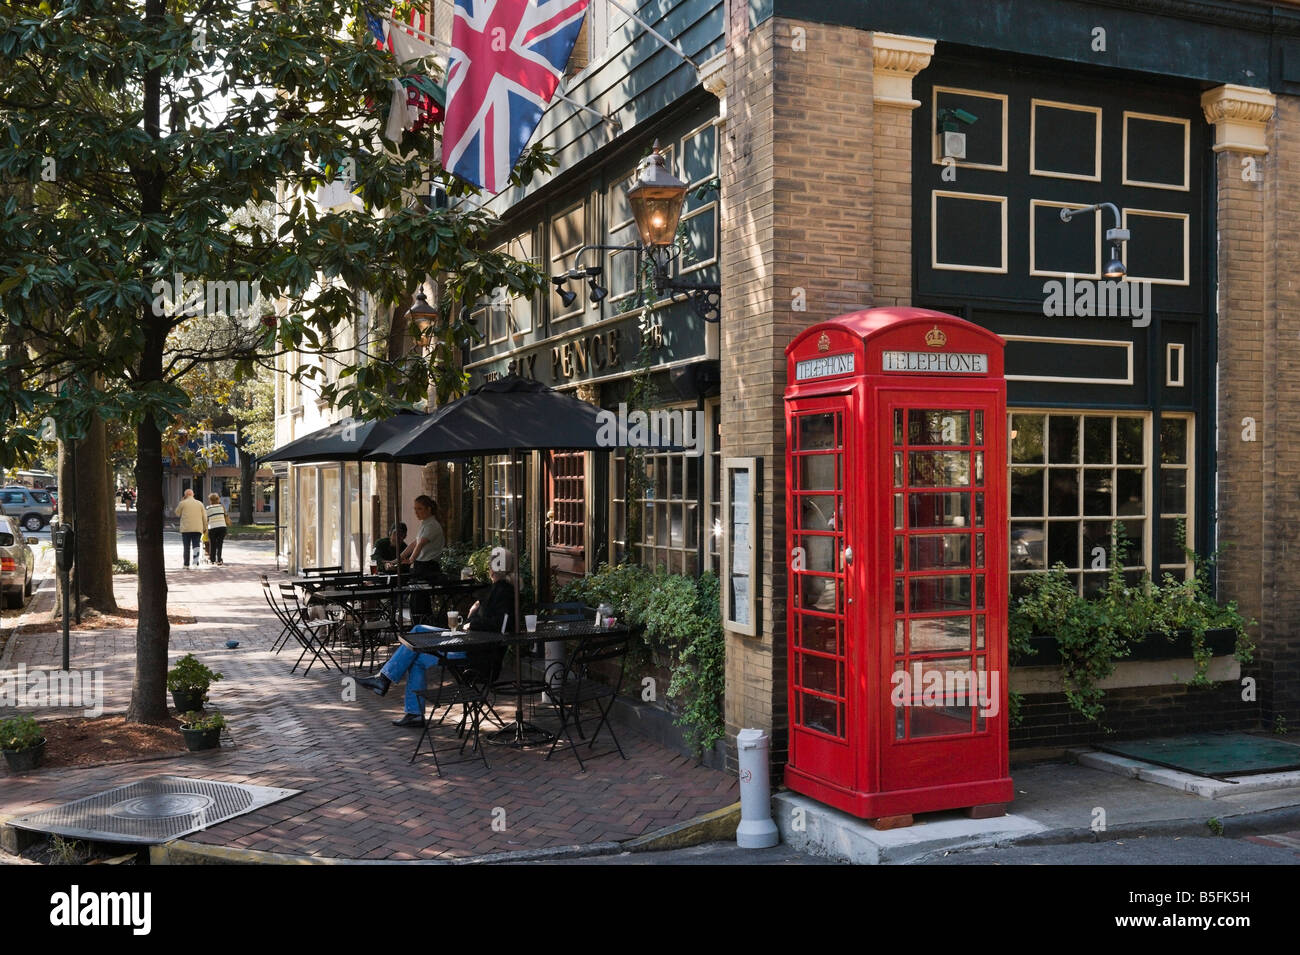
677, 520
305, 495
331, 530
1073, 476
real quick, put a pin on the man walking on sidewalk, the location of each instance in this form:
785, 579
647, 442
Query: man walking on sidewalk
194, 521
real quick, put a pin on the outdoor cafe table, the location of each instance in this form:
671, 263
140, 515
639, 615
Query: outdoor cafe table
518, 732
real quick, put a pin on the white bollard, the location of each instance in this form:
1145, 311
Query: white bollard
757, 830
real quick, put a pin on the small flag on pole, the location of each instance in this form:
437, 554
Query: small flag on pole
417, 101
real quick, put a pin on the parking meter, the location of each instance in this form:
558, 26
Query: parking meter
65, 546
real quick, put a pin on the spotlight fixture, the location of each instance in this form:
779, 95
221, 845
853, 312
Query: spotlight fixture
567, 295
598, 291
656, 201
1116, 237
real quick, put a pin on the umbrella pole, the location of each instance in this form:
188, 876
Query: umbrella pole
514, 463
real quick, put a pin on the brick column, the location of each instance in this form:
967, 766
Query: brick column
897, 59
1250, 434
1280, 651
797, 185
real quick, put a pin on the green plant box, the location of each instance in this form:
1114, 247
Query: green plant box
187, 700
25, 760
196, 740
1154, 646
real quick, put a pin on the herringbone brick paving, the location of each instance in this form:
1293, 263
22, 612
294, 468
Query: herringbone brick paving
361, 798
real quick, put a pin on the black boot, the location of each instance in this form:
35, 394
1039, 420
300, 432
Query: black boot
379, 683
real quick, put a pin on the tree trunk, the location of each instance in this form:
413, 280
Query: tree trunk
153, 632
87, 498
247, 490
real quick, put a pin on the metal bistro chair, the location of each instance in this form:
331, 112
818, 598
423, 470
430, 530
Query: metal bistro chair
286, 629
475, 674
577, 686
369, 624
312, 633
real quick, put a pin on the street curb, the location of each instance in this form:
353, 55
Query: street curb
717, 826
181, 852
1247, 823
14, 840
542, 855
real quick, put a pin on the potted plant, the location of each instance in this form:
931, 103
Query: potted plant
22, 743
202, 731
188, 681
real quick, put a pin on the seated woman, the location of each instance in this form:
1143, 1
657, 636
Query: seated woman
411, 666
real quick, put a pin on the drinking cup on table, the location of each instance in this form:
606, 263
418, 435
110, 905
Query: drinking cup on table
530, 621
611, 622
453, 619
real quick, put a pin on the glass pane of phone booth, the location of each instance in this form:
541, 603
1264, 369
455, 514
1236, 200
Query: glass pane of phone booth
938, 462
817, 572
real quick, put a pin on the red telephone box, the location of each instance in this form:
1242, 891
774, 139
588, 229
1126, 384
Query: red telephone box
896, 517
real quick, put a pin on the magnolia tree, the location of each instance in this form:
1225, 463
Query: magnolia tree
139, 134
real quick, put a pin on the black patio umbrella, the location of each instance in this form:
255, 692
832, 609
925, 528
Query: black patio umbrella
501, 417
348, 441
506, 416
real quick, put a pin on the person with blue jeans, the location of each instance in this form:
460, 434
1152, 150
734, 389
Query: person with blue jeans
409, 665
194, 521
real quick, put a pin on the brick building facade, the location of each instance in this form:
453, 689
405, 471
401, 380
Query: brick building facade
824, 194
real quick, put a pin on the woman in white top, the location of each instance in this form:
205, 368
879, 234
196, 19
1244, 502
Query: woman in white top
218, 521
422, 553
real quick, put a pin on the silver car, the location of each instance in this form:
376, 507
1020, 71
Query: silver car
16, 563
33, 509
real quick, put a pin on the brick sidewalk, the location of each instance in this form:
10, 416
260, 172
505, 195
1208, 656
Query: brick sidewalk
361, 798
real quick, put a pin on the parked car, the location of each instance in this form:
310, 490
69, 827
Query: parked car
16, 563
33, 509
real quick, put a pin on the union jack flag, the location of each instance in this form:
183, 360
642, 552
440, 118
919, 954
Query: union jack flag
507, 59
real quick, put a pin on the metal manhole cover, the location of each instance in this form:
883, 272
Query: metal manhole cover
161, 805
153, 810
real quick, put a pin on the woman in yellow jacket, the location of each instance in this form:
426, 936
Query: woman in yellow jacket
194, 521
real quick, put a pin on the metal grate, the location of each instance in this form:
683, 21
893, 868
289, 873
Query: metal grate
1213, 755
153, 810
